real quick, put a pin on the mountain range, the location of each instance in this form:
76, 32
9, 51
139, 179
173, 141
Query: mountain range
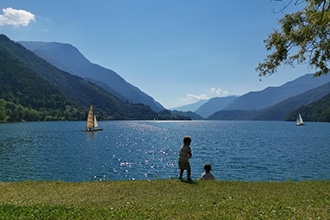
33, 89
68, 58
56, 79
272, 103
279, 111
273, 95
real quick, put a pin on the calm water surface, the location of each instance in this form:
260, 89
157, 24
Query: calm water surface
125, 150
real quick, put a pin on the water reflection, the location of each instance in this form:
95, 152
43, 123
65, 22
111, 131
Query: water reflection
250, 151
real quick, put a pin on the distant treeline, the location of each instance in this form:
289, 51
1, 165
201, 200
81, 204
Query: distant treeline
11, 112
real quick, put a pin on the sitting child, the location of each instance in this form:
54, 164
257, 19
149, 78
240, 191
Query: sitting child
207, 175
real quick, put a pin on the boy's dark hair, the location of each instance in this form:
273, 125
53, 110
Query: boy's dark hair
207, 167
186, 140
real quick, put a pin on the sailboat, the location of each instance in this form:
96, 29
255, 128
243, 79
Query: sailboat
91, 123
299, 120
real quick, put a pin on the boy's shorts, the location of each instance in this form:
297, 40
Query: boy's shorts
184, 165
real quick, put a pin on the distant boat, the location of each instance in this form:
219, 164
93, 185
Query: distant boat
299, 120
91, 123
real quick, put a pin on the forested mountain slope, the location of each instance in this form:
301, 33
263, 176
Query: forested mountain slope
68, 58
316, 111
29, 82
274, 95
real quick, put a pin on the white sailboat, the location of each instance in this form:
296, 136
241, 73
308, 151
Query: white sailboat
91, 123
299, 120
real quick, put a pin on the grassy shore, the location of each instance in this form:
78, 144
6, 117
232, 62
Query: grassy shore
165, 199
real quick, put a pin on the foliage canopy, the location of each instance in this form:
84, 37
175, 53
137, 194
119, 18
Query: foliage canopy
304, 38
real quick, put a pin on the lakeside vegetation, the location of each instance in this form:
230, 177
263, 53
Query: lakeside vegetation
11, 112
165, 199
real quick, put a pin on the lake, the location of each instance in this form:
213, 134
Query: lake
147, 150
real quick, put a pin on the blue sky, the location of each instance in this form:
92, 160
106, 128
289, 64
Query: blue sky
178, 52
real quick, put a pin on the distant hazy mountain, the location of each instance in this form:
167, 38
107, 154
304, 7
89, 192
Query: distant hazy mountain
273, 95
68, 58
205, 108
214, 105
191, 107
255, 101
280, 110
313, 89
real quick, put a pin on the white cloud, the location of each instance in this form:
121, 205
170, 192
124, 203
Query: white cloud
194, 98
213, 92
16, 17
218, 92
197, 97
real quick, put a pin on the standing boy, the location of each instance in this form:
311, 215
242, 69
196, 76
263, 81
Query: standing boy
184, 155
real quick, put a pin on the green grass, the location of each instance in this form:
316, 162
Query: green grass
165, 199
